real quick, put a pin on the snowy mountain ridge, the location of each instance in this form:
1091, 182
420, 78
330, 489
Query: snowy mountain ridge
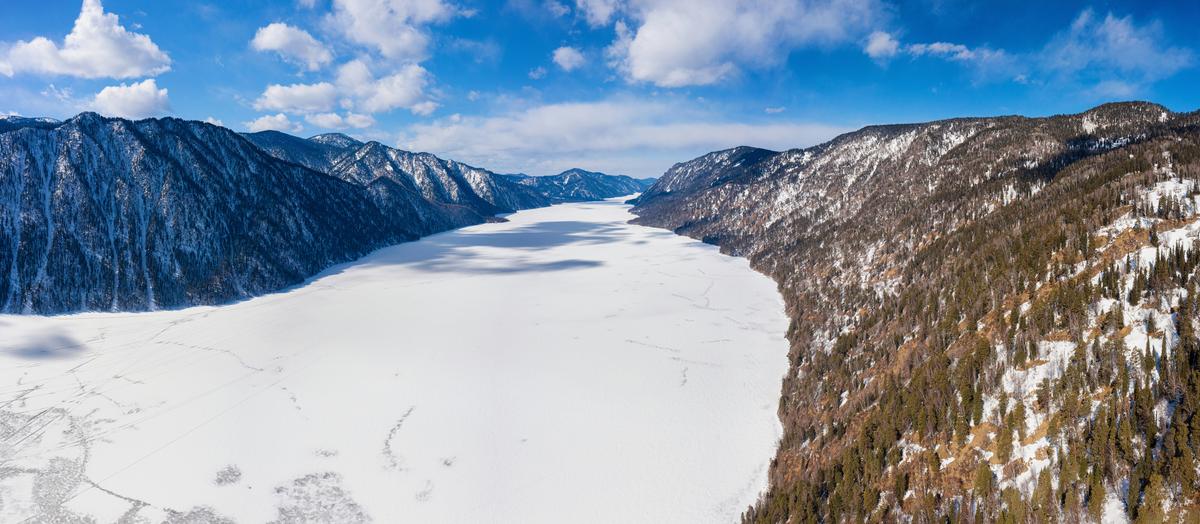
578, 185
957, 290
110, 214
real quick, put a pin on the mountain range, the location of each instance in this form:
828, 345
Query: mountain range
106, 214
993, 319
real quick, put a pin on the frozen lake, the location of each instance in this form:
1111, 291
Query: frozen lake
562, 366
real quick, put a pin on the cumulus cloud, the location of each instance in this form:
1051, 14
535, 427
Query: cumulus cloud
138, 100
214, 121
98, 46
395, 28
598, 12
631, 136
298, 98
404, 88
292, 44
336, 121
881, 46
568, 58
276, 122
537, 73
697, 42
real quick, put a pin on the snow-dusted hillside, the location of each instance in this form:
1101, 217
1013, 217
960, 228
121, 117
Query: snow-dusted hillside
106, 214
992, 318
579, 185
562, 366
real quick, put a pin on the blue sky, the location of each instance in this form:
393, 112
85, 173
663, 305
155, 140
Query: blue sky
624, 86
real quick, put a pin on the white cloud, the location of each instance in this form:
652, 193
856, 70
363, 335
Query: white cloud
139, 100
63, 94
425, 108
881, 46
214, 121
97, 47
986, 64
537, 73
598, 12
774, 110
637, 137
395, 28
358, 121
403, 89
336, 121
326, 120
293, 44
297, 98
1109, 58
568, 58
943, 49
698, 42
556, 8
1113, 54
276, 122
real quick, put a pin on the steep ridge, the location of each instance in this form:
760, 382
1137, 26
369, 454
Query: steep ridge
579, 185
108, 214
316, 154
956, 288
431, 193
10, 123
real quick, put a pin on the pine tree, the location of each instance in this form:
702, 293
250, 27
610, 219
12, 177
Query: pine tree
1043, 498
1096, 495
1004, 444
983, 481
1018, 419
1150, 511
1071, 503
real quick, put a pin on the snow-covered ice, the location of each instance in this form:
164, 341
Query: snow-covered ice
562, 366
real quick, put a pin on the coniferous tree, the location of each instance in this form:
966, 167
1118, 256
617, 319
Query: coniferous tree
1096, 495
1150, 511
1004, 444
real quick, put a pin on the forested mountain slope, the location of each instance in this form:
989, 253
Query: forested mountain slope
108, 214
579, 185
992, 318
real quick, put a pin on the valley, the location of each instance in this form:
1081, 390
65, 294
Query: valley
562, 365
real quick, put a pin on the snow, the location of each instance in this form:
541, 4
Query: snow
1114, 510
564, 365
1088, 124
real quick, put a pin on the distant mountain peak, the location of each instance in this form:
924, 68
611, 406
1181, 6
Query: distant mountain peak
580, 171
336, 140
42, 119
